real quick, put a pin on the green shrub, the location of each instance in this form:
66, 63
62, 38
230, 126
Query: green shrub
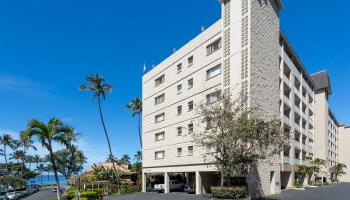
230, 192
81, 198
298, 184
126, 189
88, 195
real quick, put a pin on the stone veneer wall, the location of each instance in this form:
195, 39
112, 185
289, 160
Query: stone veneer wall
263, 85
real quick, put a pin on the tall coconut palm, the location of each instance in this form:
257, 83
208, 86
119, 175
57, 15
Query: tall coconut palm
125, 159
19, 155
40, 169
54, 131
136, 107
98, 86
7, 141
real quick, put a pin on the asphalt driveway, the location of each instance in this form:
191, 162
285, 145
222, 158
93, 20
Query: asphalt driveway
43, 194
161, 196
339, 191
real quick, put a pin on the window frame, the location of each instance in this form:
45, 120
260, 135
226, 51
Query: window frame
156, 117
162, 78
159, 97
157, 152
209, 71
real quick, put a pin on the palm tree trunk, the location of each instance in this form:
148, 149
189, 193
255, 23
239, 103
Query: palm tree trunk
6, 159
55, 172
140, 130
106, 134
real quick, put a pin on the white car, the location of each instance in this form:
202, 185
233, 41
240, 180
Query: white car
174, 185
11, 196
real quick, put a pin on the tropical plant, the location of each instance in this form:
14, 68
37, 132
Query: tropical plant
137, 165
100, 88
125, 159
40, 169
107, 174
136, 107
19, 155
7, 141
237, 139
66, 165
54, 131
340, 170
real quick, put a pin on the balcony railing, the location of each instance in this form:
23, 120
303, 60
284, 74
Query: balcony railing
286, 159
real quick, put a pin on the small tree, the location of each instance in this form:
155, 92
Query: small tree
238, 138
340, 170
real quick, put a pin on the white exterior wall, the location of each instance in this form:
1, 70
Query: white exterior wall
197, 94
344, 149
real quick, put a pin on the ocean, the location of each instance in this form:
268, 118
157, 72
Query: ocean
47, 180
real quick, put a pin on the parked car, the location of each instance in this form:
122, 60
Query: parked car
174, 185
18, 195
11, 196
2, 198
190, 189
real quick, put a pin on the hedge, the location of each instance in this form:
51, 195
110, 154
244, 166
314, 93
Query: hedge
230, 192
87, 195
126, 189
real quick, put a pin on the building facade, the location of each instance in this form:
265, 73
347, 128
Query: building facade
344, 149
244, 53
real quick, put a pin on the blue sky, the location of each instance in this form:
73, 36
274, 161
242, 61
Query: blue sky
47, 48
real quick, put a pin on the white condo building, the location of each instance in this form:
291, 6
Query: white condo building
245, 52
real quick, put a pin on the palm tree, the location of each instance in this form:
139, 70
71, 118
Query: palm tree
7, 141
54, 131
37, 159
19, 155
99, 88
40, 168
125, 159
136, 107
138, 157
340, 170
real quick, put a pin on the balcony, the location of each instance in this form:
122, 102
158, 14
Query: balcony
286, 160
296, 144
297, 162
310, 149
310, 135
286, 79
303, 146
286, 120
286, 100
306, 162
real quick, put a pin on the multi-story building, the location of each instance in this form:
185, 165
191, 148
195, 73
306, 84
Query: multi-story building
326, 125
344, 149
244, 53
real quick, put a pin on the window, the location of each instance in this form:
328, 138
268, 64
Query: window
210, 149
190, 61
210, 123
190, 151
214, 71
159, 155
211, 48
160, 80
179, 131
190, 83
213, 97
190, 106
179, 89
179, 152
179, 68
179, 110
160, 136
159, 118
159, 99
190, 128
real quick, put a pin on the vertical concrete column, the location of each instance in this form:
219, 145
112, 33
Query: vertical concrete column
144, 182
198, 183
166, 183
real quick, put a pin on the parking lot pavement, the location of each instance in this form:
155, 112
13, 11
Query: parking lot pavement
340, 191
43, 194
160, 196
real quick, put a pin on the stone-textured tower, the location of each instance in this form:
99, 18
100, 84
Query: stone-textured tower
251, 51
